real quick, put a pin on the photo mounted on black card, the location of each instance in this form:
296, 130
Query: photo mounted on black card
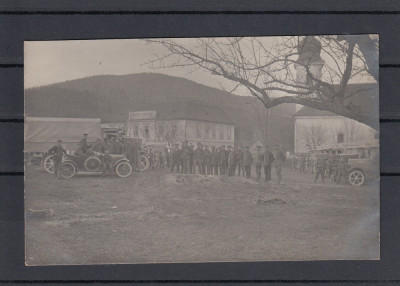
185, 150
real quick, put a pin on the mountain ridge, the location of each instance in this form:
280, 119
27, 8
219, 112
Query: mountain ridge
111, 97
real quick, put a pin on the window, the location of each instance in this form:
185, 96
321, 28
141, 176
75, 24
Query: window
160, 130
174, 130
146, 131
221, 133
198, 130
208, 131
136, 131
214, 132
340, 138
228, 133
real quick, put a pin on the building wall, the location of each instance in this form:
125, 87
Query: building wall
213, 134
329, 128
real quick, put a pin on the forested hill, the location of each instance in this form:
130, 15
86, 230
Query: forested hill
111, 97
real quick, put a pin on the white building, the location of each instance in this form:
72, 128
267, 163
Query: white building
179, 121
317, 129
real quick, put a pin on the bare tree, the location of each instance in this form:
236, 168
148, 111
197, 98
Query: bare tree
268, 71
314, 136
352, 131
167, 131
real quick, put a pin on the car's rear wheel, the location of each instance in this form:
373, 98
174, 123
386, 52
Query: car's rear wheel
356, 177
92, 164
123, 169
68, 170
48, 164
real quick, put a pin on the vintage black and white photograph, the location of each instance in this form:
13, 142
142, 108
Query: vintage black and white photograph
186, 150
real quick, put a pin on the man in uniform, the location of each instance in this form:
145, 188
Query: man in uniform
247, 160
342, 170
239, 160
231, 161
106, 164
84, 144
117, 148
191, 148
79, 151
206, 161
221, 160
186, 157
268, 159
57, 151
279, 159
259, 159
198, 159
214, 160
175, 158
320, 167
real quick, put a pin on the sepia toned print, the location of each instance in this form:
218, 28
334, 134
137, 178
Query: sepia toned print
202, 150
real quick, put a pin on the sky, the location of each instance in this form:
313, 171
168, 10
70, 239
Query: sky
48, 62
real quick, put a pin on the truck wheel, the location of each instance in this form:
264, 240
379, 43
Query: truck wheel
356, 177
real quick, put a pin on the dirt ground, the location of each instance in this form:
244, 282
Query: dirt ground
156, 216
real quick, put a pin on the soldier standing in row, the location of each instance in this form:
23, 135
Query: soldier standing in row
206, 161
175, 158
221, 160
268, 159
231, 161
239, 161
198, 159
57, 151
259, 158
186, 158
247, 160
279, 159
191, 147
320, 168
214, 160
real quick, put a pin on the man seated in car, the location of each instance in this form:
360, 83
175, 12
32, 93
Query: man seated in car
79, 151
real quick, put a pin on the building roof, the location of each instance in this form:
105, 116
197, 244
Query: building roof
363, 96
187, 110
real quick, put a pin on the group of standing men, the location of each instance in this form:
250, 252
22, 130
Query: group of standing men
224, 161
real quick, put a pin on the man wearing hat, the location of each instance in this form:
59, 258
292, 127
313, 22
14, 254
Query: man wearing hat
247, 160
206, 161
231, 161
175, 158
191, 148
239, 160
185, 157
279, 159
214, 160
221, 160
198, 158
57, 151
98, 146
268, 159
259, 159
84, 144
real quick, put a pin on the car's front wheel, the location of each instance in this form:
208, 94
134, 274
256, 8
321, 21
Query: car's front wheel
68, 170
123, 169
356, 177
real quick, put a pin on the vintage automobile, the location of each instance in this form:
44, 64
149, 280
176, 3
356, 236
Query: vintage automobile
72, 164
365, 166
